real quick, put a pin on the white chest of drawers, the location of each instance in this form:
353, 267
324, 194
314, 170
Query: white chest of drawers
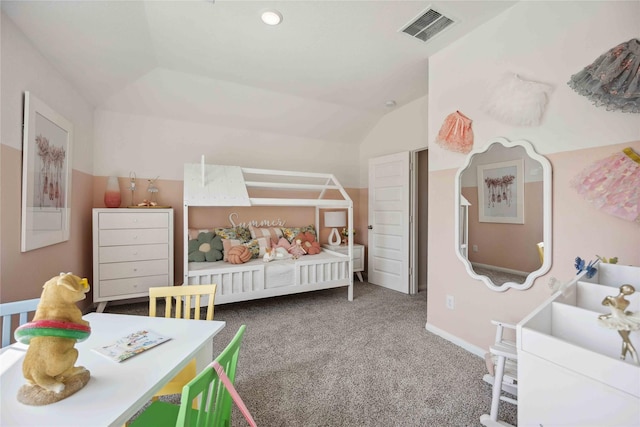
132, 251
358, 256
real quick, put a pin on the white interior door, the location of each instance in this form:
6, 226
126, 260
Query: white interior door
389, 221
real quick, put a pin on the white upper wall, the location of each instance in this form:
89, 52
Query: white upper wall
540, 41
182, 96
171, 143
25, 69
153, 146
404, 129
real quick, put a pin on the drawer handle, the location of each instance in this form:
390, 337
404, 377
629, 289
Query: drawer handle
135, 237
135, 269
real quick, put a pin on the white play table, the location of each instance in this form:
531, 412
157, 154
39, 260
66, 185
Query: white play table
116, 391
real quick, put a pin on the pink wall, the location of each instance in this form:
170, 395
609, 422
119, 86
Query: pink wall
24, 273
490, 237
578, 230
25, 69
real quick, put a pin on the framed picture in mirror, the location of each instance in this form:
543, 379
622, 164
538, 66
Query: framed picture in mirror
501, 192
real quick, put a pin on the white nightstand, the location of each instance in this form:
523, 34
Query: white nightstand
358, 256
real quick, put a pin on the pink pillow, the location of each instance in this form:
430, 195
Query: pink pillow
271, 233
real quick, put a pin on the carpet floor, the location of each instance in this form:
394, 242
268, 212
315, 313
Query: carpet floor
316, 359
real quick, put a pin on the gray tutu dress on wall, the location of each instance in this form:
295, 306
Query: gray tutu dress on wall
613, 80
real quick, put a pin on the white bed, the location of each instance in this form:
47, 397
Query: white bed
215, 185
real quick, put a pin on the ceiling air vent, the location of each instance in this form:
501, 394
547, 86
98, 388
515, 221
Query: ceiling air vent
427, 24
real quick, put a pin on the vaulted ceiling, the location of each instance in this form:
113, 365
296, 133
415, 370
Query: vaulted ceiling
325, 72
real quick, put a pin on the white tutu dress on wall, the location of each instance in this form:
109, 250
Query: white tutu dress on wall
613, 80
515, 101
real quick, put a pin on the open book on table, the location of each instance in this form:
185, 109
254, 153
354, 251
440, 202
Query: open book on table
130, 345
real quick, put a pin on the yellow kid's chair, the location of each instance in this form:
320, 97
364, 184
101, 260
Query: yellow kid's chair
540, 247
217, 402
179, 295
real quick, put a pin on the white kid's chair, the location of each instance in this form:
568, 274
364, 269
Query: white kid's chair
503, 374
8, 309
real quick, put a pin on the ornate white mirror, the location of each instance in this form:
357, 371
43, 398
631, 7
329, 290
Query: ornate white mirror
503, 214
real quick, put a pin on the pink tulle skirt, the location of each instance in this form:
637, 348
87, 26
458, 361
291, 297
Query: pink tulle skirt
613, 185
456, 133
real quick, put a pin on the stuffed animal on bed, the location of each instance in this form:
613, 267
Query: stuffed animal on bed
297, 250
57, 325
278, 251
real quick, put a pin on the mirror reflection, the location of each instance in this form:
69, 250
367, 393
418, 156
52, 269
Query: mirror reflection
503, 214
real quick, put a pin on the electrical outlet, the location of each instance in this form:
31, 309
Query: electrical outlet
450, 302
475, 248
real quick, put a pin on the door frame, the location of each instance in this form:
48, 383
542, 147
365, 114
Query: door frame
415, 225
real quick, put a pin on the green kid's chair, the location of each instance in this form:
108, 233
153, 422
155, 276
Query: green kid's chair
214, 386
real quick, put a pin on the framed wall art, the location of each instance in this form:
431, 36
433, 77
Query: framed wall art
46, 175
501, 192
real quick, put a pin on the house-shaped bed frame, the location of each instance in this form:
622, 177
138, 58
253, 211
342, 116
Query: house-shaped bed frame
216, 185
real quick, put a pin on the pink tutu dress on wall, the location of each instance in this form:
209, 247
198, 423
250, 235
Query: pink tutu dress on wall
613, 185
456, 133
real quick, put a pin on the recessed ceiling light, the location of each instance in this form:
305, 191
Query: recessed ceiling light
271, 17
390, 104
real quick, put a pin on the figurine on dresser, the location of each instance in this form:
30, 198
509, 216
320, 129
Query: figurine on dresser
623, 321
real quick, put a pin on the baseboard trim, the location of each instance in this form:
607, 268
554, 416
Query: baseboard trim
504, 270
473, 349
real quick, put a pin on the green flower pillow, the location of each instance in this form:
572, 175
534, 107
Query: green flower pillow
207, 247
